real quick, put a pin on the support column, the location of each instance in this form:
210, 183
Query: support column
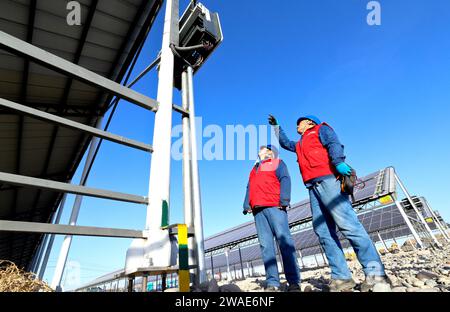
226, 250
317, 262
51, 239
301, 257
130, 284
382, 241
323, 256
144, 283
281, 258
158, 243
187, 176
409, 224
197, 205
242, 265
418, 213
438, 223
65, 248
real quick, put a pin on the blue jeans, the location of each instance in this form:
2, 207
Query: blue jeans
330, 210
273, 223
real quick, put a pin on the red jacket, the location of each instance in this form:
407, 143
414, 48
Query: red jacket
264, 186
312, 156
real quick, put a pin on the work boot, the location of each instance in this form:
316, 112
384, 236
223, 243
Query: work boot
338, 285
383, 284
294, 288
272, 289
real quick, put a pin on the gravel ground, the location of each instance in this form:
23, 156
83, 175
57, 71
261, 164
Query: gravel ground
409, 270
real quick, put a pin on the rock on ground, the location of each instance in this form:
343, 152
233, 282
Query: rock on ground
409, 271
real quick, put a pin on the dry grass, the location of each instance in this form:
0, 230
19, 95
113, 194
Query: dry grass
13, 279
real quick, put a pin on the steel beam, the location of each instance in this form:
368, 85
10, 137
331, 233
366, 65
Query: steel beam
69, 188
35, 227
74, 125
51, 61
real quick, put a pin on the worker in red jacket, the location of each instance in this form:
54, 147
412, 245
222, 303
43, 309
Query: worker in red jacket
268, 196
321, 160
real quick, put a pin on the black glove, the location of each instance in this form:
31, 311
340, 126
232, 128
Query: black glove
272, 120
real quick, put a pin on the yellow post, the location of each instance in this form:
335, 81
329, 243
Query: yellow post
183, 258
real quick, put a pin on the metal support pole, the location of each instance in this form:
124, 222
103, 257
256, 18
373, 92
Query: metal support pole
226, 250
51, 239
440, 227
382, 241
301, 257
164, 281
159, 185
438, 223
279, 256
187, 177
317, 262
409, 224
419, 214
197, 205
240, 260
212, 266
38, 256
144, 283
130, 284
64, 252
323, 256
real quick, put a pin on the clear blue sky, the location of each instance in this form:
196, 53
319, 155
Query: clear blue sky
384, 89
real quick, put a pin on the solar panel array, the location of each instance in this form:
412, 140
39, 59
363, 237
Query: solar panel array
375, 185
387, 220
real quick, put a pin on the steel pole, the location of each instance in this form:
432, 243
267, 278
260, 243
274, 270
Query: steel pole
187, 178
409, 224
438, 223
382, 241
242, 265
228, 264
197, 205
440, 227
51, 239
419, 214
157, 218
64, 252
301, 257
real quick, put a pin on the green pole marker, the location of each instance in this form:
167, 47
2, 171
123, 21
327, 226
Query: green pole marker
165, 214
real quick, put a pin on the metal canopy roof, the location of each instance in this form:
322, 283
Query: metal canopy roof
107, 40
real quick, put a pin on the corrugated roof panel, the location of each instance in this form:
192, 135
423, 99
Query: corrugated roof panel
42, 151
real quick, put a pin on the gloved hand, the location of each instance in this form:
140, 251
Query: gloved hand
272, 120
344, 169
249, 210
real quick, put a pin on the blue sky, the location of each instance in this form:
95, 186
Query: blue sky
384, 89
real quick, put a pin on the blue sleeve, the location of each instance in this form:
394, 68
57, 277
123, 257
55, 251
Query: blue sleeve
284, 140
285, 184
330, 141
246, 204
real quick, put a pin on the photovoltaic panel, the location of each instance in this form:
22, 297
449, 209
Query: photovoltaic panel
375, 185
386, 220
